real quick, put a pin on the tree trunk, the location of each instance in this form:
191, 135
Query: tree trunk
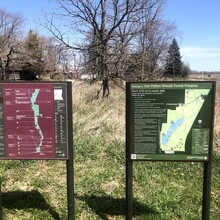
105, 86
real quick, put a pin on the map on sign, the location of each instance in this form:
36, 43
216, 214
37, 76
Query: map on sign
30, 124
37, 114
180, 120
35, 121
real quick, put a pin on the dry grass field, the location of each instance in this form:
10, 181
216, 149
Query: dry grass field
98, 116
217, 119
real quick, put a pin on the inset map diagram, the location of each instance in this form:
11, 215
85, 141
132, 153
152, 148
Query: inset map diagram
180, 120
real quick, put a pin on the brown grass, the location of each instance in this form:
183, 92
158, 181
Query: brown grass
217, 120
108, 112
217, 110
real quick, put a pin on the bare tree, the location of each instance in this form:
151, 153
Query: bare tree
110, 25
153, 43
10, 31
150, 44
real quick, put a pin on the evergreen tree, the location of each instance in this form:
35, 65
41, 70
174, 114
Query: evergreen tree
33, 56
174, 64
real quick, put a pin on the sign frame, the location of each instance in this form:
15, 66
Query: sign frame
130, 120
61, 144
207, 164
69, 140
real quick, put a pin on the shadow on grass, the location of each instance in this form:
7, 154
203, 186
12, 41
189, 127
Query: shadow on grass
107, 205
27, 200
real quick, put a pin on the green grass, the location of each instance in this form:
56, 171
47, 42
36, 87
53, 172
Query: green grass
162, 190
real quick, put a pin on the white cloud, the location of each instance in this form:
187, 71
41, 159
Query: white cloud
202, 58
211, 39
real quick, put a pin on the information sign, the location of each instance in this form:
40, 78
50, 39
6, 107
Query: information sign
170, 120
34, 120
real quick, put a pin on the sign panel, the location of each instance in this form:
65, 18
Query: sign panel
170, 120
33, 121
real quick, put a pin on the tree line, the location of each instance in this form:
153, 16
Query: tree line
127, 39
31, 55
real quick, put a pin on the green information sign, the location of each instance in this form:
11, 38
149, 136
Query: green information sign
170, 121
